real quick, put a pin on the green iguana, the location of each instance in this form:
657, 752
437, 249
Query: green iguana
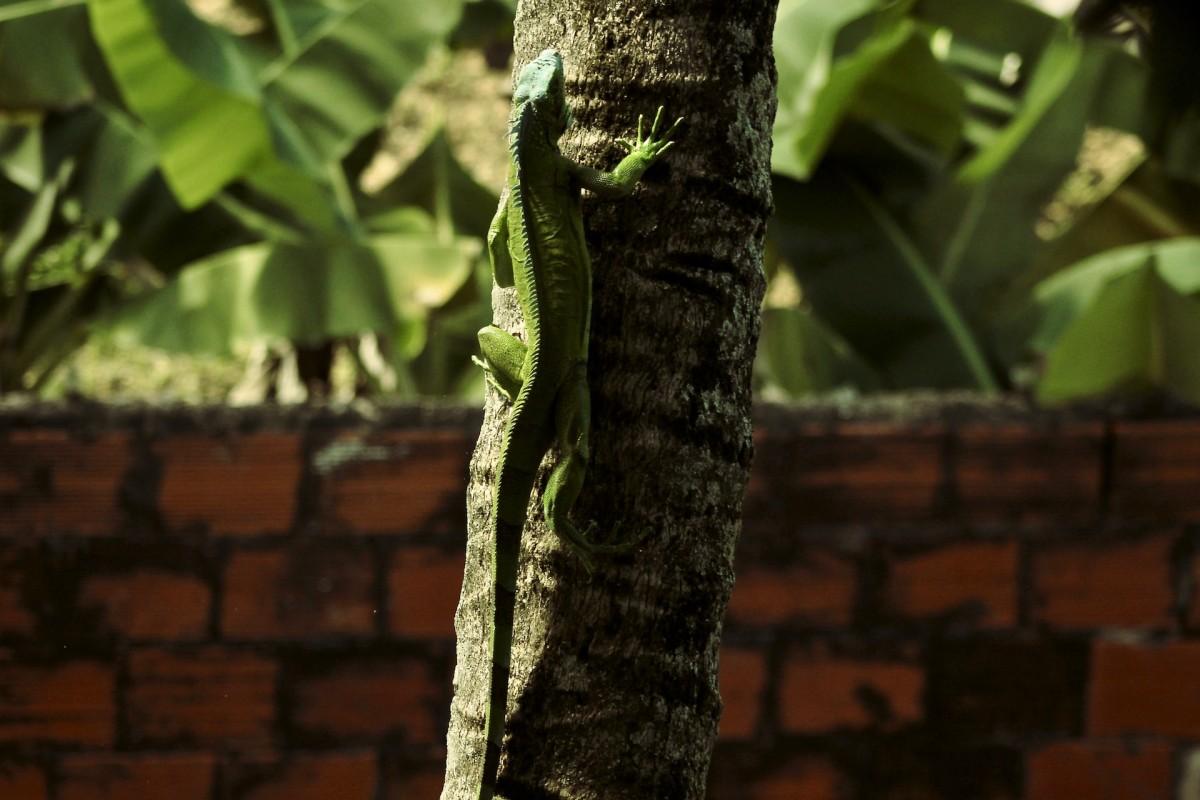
536, 243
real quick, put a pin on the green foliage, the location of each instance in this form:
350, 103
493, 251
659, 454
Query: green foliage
838, 60
226, 168
32, 77
907, 207
205, 132
167, 181
339, 289
1138, 333
801, 355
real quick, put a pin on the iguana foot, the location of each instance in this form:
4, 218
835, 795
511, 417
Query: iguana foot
490, 377
583, 545
653, 146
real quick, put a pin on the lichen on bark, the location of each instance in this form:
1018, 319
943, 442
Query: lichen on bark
613, 691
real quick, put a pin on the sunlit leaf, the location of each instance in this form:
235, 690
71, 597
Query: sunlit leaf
345, 72
816, 87
983, 234
303, 293
423, 274
403, 219
1055, 68
1139, 334
914, 93
27, 235
1061, 299
207, 51
207, 136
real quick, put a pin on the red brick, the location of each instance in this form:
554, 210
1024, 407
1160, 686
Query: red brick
15, 616
820, 692
1099, 771
978, 579
52, 482
743, 679
1110, 584
1193, 616
423, 588
22, 783
299, 591
1018, 472
992, 688
303, 776
371, 700
1145, 689
819, 590
245, 484
1156, 469
802, 779
63, 704
150, 604
161, 776
207, 696
855, 472
397, 481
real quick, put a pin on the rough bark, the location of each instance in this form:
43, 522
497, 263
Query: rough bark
613, 688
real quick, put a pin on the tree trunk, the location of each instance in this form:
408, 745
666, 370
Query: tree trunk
613, 691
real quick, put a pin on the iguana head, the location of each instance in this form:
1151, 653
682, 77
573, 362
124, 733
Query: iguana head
540, 87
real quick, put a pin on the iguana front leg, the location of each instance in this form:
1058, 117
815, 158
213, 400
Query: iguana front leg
503, 360
643, 152
497, 243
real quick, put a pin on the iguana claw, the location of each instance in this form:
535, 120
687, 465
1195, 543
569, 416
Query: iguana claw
652, 146
490, 377
582, 544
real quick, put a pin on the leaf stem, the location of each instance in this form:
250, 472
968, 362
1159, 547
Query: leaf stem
257, 221
959, 332
31, 7
1160, 219
283, 28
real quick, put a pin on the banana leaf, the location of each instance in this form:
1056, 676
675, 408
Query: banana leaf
207, 135
47, 57
865, 277
218, 113
1061, 299
343, 76
305, 293
816, 87
438, 183
1139, 334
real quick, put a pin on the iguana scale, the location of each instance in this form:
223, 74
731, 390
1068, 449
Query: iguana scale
536, 243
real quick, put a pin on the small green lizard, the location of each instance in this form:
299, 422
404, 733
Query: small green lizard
536, 243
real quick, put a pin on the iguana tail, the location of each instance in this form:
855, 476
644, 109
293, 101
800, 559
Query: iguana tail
524, 446
504, 588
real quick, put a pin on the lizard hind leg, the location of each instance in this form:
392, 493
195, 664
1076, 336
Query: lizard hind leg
503, 360
572, 421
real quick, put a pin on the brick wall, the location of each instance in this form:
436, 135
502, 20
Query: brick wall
972, 602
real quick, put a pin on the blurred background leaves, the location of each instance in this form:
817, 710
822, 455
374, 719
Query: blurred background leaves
970, 194
927, 232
